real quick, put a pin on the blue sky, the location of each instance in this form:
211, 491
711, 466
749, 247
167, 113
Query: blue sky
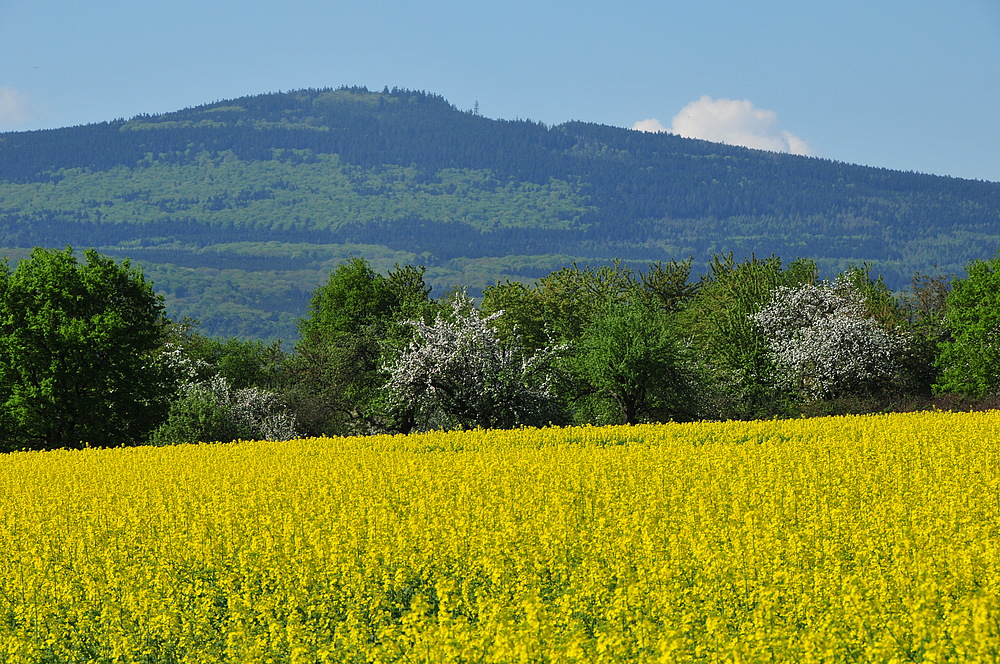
903, 84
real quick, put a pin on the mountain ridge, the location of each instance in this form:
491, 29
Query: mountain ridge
277, 188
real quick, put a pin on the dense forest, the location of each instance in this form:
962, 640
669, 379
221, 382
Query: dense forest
237, 210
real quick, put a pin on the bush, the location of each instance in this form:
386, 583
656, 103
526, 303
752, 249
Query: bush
212, 411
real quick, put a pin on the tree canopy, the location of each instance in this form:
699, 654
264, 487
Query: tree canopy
354, 321
78, 352
88, 357
970, 358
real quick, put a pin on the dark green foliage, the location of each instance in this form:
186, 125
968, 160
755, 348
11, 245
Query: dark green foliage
245, 363
355, 299
666, 287
734, 356
77, 353
624, 359
559, 306
925, 307
242, 363
631, 355
196, 416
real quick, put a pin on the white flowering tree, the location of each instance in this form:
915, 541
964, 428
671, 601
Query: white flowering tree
824, 342
459, 373
212, 410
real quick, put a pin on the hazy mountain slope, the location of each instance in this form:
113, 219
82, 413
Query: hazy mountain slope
238, 209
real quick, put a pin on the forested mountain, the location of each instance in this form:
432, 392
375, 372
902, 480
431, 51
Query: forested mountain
239, 208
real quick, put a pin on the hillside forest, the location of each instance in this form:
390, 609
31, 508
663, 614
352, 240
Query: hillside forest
88, 355
238, 210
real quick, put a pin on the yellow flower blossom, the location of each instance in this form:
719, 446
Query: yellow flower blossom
841, 539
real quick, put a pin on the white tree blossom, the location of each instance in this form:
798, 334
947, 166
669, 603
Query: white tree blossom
256, 413
184, 369
459, 372
824, 343
212, 410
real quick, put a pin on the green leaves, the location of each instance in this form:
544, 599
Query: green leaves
356, 322
76, 348
632, 355
717, 320
970, 359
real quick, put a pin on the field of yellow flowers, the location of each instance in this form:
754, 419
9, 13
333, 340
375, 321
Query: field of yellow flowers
849, 539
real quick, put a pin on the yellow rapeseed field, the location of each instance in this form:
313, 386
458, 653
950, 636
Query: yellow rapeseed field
853, 539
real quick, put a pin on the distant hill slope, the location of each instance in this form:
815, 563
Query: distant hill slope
239, 208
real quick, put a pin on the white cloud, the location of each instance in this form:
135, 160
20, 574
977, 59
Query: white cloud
737, 122
652, 125
14, 106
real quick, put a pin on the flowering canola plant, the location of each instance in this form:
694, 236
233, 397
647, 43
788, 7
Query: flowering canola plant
872, 538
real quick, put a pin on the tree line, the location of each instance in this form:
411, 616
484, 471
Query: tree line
88, 356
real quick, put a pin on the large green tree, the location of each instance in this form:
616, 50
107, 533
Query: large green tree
355, 324
631, 356
970, 358
78, 345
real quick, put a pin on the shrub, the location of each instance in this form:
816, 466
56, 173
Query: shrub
213, 411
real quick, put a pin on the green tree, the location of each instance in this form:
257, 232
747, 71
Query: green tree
734, 355
916, 317
925, 306
559, 306
631, 355
970, 358
667, 286
597, 315
356, 322
77, 352
195, 416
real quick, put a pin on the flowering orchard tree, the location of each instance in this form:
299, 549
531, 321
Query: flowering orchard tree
212, 410
824, 343
459, 372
